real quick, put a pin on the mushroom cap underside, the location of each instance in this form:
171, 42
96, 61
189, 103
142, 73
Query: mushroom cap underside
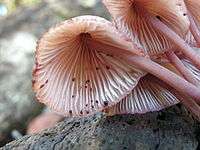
148, 96
128, 15
193, 7
78, 68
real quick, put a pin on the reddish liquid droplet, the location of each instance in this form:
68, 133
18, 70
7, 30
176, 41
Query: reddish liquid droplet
105, 103
70, 111
107, 67
41, 86
47, 81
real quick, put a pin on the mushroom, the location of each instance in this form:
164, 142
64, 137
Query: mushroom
186, 72
154, 24
43, 121
73, 76
147, 96
151, 94
84, 65
192, 69
183, 66
158, 25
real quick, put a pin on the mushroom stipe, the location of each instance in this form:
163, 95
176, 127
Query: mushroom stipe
87, 64
181, 68
178, 41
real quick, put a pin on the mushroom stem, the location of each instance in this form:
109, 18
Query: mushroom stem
194, 29
181, 68
167, 76
177, 40
189, 103
151, 67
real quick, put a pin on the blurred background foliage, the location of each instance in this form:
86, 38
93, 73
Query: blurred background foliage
8, 6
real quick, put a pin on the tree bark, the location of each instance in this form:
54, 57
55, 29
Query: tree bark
172, 128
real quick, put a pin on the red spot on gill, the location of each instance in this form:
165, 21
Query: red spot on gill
87, 81
70, 112
105, 103
107, 67
81, 112
46, 81
42, 86
36, 70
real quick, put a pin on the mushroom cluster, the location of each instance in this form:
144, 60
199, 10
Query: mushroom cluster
146, 59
